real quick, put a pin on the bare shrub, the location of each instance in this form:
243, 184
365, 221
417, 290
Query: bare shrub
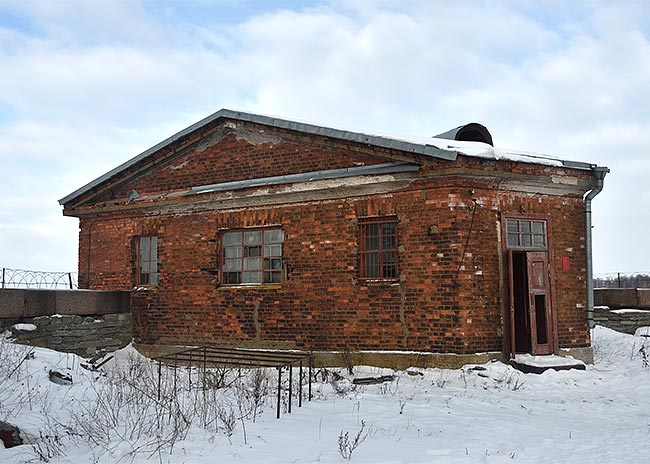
441, 380
511, 380
645, 356
48, 446
346, 446
258, 386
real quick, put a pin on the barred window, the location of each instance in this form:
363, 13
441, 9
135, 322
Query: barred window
252, 256
378, 248
147, 261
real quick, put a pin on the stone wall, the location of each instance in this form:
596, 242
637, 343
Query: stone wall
622, 297
82, 335
76, 321
626, 321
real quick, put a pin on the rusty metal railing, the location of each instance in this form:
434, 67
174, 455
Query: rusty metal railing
206, 357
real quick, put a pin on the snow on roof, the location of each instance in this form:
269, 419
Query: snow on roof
483, 150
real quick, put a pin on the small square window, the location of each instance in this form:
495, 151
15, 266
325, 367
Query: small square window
526, 234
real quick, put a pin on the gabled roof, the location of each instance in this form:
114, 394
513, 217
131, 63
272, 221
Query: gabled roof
441, 148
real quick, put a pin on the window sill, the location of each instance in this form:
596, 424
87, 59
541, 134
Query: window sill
250, 287
378, 283
145, 288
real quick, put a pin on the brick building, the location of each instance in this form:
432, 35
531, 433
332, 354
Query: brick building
256, 231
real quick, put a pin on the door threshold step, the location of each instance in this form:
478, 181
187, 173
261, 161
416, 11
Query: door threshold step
529, 364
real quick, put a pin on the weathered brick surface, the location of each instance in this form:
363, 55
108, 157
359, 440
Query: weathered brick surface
448, 298
269, 154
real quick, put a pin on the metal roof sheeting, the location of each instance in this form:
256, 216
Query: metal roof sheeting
373, 169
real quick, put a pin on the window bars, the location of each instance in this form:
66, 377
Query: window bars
206, 357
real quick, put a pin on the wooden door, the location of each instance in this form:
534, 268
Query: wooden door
539, 303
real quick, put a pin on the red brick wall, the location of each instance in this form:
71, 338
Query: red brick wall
448, 298
436, 306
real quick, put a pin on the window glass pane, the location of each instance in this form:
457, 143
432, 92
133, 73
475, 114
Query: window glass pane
538, 241
525, 227
388, 257
273, 235
252, 264
526, 240
512, 225
232, 265
231, 278
232, 252
372, 243
513, 240
252, 277
372, 230
144, 279
252, 251
155, 278
388, 242
232, 238
388, 228
272, 250
538, 227
372, 265
144, 245
253, 237
390, 271
273, 277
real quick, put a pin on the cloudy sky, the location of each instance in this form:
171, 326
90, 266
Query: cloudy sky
86, 85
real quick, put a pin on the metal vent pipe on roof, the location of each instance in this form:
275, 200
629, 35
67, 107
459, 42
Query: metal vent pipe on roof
472, 132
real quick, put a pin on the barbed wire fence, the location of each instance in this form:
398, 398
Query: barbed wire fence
22, 278
622, 280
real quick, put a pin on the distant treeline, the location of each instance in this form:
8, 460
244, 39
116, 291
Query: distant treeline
622, 280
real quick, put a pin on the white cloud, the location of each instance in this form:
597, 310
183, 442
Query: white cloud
87, 86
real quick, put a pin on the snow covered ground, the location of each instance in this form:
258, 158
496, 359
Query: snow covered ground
479, 414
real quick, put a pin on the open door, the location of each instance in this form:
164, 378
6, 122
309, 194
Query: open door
539, 308
529, 313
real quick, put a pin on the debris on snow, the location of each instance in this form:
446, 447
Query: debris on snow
60, 377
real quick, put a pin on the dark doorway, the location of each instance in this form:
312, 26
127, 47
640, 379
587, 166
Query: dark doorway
520, 302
